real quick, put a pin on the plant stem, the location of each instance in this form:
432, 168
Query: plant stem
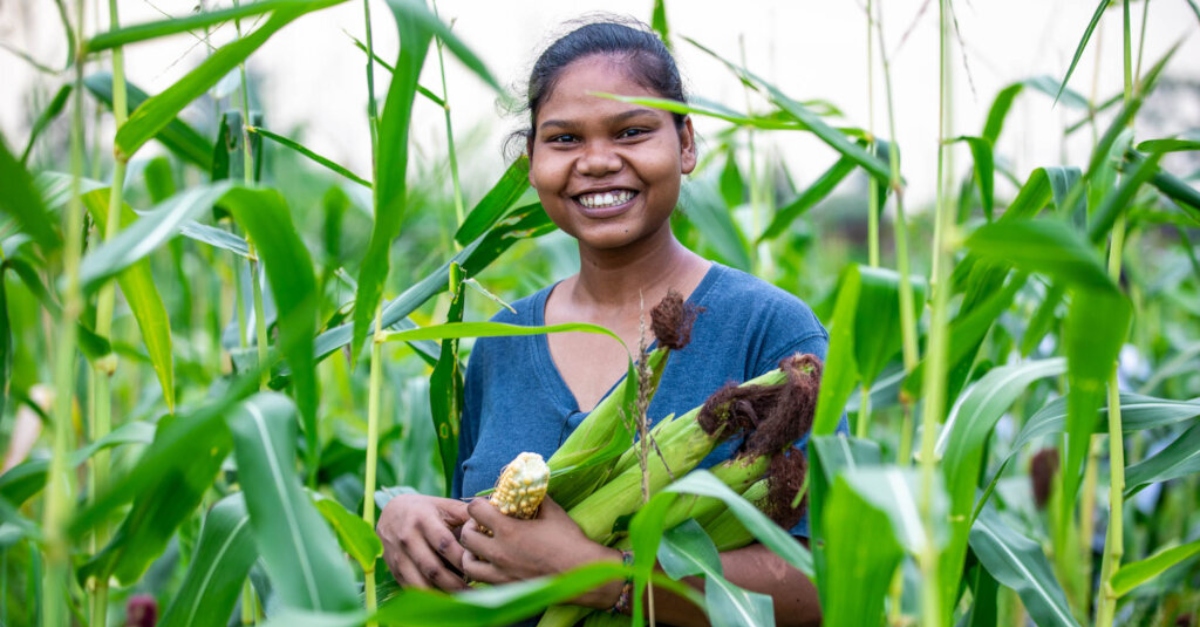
374, 393
908, 322
864, 412
104, 368
872, 197
459, 205
1114, 541
372, 107
934, 392
1137, 74
58, 497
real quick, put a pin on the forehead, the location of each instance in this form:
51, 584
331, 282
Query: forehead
579, 82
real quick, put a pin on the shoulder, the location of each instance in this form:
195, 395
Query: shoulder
758, 304
752, 323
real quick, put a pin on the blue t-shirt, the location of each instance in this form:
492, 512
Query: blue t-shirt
516, 400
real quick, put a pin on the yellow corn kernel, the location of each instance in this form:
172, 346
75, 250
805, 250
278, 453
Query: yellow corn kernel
522, 486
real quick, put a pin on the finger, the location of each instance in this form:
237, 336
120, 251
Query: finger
454, 512
551, 509
477, 569
485, 513
472, 539
445, 544
407, 574
431, 569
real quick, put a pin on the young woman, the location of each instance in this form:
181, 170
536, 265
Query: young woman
608, 174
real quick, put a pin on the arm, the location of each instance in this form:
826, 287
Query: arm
552, 543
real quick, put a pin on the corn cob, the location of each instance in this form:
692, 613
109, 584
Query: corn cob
521, 488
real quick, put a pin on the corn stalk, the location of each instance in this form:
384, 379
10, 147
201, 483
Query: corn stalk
59, 497
1114, 541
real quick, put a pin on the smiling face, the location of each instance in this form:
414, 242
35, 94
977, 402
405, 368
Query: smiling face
608, 173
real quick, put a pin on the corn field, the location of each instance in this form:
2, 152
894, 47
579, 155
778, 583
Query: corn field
220, 362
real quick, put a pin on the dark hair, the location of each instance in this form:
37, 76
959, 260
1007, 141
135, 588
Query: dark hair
648, 62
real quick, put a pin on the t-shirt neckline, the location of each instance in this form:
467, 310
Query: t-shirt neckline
547, 370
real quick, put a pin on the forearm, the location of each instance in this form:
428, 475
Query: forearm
754, 568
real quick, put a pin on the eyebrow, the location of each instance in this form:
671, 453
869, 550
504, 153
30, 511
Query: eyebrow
619, 117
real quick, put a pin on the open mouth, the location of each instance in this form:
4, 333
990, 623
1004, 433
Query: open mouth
604, 200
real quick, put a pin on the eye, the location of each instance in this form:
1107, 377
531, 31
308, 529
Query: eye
631, 133
562, 138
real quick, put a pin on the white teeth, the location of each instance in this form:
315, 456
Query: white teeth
605, 199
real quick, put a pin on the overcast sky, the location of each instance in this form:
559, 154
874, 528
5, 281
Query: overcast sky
314, 85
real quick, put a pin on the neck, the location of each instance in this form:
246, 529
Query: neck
626, 278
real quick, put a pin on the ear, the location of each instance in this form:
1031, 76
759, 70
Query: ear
687, 146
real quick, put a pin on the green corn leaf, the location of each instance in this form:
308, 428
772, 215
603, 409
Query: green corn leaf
141, 294
707, 210
48, 115
961, 445
356, 537
26, 479
711, 109
841, 369
658, 22
815, 193
169, 497
459, 330
525, 222
151, 230
877, 318
181, 441
1119, 199
298, 549
1087, 35
1180, 458
1043, 320
1019, 564
265, 216
160, 181
732, 186
178, 136
496, 605
155, 113
985, 591
446, 393
495, 203
1048, 247
860, 542
175, 25
6, 348
833, 138
313, 156
22, 201
1134, 574
215, 237
764, 530
219, 566
1175, 144
725, 603
391, 165
13, 519
93, 346
985, 170
1058, 91
55, 188
894, 491
1138, 413
998, 112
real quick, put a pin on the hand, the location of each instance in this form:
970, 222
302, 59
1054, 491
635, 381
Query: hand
518, 550
420, 543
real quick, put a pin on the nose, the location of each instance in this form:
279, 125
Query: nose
598, 159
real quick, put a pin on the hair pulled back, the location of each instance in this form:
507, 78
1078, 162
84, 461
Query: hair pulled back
643, 55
